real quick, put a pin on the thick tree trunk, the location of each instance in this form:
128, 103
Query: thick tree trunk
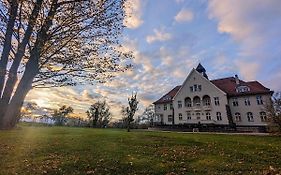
6, 50
14, 108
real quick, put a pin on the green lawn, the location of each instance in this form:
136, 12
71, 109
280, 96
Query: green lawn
62, 150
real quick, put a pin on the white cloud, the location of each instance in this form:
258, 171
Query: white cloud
159, 35
184, 15
248, 70
254, 25
133, 9
250, 22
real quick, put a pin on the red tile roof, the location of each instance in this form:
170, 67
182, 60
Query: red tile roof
169, 96
228, 85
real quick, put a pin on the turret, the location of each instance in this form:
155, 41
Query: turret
202, 70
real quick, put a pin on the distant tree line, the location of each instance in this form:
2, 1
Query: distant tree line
98, 115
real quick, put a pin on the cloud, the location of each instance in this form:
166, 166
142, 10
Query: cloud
254, 25
248, 70
133, 10
159, 35
184, 15
179, 1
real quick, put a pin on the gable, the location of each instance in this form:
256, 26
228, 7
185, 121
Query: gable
195, 78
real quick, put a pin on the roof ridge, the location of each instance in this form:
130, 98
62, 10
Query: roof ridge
221, 78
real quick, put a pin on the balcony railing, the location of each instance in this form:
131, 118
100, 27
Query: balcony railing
207, 108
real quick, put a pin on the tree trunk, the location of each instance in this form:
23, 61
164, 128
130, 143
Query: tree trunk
6, 51
128, 127
14, 108
7, 44
12, 78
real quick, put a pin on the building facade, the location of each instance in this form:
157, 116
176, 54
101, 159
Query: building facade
222, 102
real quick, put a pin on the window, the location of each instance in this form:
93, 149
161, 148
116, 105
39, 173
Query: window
170, 118
219, 116
217, 101
191, 88
179, 104
259, 100
159, 107
242, 89
187, 102
263, 116
188, 116
165, 107
198, 116
195, 87
247, 102
206, 100
199, 88
180, 116
237, 117
167, 98
250, 117
171, 106
235, 102
196, 101
208, 116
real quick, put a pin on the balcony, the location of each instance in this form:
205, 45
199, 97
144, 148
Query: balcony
188, 108
207, 108
197, 107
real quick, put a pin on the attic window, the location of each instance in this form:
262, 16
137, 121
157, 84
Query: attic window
167, 98
241, 89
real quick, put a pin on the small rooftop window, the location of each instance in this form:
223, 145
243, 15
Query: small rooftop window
241, 89
167, 98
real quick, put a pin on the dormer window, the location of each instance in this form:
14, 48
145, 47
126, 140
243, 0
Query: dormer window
166, 98
241, 89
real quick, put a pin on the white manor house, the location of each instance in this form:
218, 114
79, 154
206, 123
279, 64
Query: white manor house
221, 103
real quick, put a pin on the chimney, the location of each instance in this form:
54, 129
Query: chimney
237, 80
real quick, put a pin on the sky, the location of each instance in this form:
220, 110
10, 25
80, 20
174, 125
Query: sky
170, 37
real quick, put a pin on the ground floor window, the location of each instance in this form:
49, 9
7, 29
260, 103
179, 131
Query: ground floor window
180, 116
263, 116
250, 117
198, 116
170, 118
208, 116
237, 117
219, 116
188, 116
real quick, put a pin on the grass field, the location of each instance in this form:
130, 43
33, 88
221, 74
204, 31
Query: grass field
62, 150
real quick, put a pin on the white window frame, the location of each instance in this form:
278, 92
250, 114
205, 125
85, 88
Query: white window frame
219, 118
237, 117
247, 101
250, 117
259, 100
263, 116
179, 104
180, 116
170, 118
217, 101
208, 116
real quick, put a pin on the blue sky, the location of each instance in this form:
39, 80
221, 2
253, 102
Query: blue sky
170, 37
